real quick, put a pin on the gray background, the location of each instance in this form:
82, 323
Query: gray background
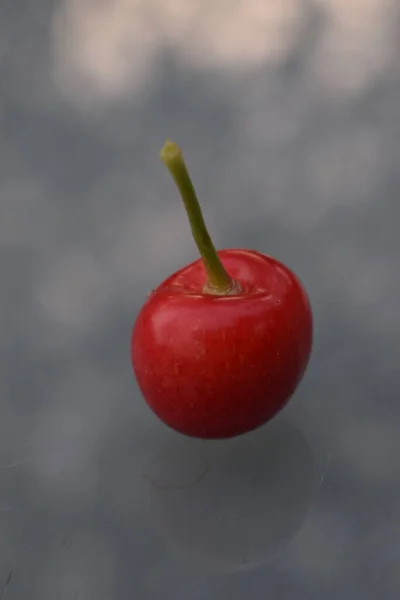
288, 113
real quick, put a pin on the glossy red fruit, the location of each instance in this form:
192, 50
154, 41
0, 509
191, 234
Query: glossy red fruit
216, 366
220, 346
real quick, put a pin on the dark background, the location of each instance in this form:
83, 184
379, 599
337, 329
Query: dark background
288, 113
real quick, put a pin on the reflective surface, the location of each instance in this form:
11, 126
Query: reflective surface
288, 116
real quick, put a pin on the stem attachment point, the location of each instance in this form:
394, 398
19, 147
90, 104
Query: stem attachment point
219, 282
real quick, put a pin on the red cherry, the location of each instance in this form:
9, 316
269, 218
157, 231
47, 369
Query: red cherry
220, 346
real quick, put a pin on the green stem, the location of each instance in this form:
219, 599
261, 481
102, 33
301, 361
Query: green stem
219, 281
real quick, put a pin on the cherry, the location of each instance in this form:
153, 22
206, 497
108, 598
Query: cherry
221, 345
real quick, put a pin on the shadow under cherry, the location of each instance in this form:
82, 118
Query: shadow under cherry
233, 504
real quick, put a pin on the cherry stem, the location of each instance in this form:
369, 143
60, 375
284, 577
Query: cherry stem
219, 281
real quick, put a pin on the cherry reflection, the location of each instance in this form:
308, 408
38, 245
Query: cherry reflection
233, 504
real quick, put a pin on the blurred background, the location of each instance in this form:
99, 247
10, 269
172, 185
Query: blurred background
288, 114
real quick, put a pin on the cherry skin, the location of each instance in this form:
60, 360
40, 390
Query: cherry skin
217, 366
